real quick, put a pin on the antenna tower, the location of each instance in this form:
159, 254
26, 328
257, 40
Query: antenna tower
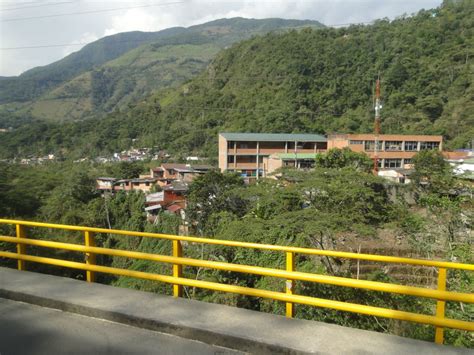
378, 106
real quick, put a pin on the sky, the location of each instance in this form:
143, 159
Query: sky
60, 27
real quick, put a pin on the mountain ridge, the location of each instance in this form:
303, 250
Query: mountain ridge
318, 81
37, 84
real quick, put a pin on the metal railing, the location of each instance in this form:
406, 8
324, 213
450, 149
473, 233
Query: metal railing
177, 260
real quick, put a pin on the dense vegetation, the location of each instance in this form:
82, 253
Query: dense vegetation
122, 69
306, 81
339, 205
312, 80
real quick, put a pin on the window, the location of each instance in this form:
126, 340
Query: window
244, 159
393, 146
230, 159
408, 161
393, 163
429, 145
351, 142
411, 146
306, 164
370, 145
230, 145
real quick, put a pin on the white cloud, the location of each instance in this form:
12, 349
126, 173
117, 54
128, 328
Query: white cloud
139, 20
86, 37
88, 28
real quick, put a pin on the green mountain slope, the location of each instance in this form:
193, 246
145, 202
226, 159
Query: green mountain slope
300, 81
88, 83
323, 81
36, 81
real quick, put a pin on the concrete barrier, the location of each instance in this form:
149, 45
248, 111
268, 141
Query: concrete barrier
230, 327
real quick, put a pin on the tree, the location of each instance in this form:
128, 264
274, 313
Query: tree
432, 172
212, 193
344, 158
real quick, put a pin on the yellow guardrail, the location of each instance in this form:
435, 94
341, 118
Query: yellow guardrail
289, 274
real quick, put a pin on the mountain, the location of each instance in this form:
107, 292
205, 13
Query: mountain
311, 80
36, 81
119, 70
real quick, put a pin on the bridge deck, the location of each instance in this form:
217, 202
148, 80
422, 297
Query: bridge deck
30, 329
219, 325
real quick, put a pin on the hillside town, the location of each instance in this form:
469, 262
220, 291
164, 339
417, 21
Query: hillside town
261, 155
226, 177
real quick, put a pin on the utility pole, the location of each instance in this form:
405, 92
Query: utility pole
378, 106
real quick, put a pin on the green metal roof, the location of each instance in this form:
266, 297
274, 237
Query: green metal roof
286, 156
274, 137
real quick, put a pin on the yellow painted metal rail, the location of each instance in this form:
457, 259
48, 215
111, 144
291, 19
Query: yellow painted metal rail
177, 260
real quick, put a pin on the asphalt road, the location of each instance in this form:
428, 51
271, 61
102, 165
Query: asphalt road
29, 329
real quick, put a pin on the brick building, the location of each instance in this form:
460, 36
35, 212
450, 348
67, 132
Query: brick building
258, 154
247, 153
395, 151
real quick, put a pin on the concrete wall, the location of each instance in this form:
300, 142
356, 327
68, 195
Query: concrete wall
222, 153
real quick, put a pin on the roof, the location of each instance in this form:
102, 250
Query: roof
185, 170
155, 197
455, 155
174, 166
106, 178
176, 186
286, 156
192, 169
202, 167
144, 180
274, 137
159, 168
174, 208
151, 208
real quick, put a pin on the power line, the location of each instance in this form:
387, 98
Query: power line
34, 6
91, 12
117, 9
47, 46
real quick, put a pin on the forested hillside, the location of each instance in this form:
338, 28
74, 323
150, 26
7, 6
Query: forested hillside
337, 206
36, 81
119, 70
313, 80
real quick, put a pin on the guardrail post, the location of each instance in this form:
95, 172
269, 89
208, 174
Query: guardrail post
177, 268
21, 248
89, 241
290, 266
440, 305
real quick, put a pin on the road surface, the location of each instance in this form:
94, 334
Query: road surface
29, 329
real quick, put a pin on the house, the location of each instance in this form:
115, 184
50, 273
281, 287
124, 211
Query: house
245, 152
139, 184
175, 193
185, 172
169, 170
402, 176
293, 160
105, 183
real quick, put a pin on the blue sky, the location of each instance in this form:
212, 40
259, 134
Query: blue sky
19, 29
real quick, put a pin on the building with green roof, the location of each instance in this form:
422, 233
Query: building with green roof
249, 153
